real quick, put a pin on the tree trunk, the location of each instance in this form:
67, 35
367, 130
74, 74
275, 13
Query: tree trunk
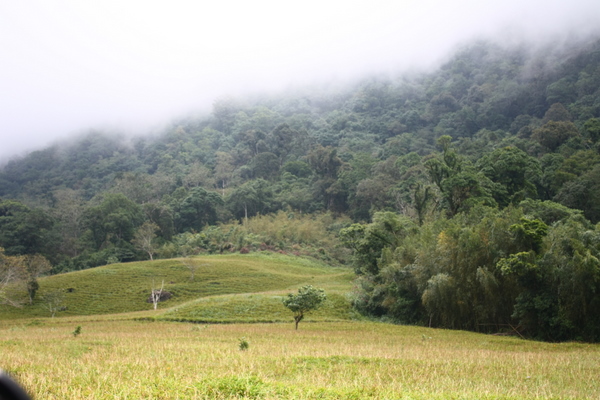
156, 294
298, 318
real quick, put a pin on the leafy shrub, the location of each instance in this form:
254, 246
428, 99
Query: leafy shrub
77, 331
243, 344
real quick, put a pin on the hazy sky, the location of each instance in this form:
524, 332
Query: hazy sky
67, 66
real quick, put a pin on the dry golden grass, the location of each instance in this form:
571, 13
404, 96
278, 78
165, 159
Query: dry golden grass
124, 359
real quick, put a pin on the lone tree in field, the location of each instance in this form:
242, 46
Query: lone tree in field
52, 301
35, 266
11, 274
156, 294
308, 298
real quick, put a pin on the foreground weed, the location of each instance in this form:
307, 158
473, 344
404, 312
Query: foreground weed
77, 331
238, 387
243, 344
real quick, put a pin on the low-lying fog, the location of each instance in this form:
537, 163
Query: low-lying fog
68, 66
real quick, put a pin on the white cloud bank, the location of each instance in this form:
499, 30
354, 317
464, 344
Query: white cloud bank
71, 65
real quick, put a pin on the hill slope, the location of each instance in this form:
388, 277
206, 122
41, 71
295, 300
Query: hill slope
120, 288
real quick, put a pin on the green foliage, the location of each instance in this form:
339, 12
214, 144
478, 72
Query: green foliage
592, 129
77, 331
515, 171
243, 344
556, 112
299, 169
530, 233
368, 241
548, 211
265, 166
307, 299
558, 305
24, 230
285, 232
464, 190
235, 387
113, 221
520, 264
197, 209
488, 269
555, 133
582, 194
252, 198
439, 300
35, 266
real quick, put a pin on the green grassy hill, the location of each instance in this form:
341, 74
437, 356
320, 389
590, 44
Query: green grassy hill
242, 288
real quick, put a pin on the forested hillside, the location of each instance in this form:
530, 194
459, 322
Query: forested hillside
466, 197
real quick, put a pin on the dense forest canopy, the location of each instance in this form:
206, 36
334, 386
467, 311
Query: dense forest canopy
466, 197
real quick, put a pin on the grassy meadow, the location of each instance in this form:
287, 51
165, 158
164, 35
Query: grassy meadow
124, 359
140, 353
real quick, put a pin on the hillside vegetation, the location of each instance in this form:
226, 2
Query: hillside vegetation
233, 288
465, 197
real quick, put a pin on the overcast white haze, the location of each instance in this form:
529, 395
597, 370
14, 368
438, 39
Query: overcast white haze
68, 66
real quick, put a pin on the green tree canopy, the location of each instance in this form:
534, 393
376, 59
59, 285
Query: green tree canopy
555, 133
251, 198
26, 231
514, 170
197, 209
113, 221
307, 299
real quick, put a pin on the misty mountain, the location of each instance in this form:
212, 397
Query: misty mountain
464, 197
355, 148
483, 87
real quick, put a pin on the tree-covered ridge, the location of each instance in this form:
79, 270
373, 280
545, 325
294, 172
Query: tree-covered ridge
495, 128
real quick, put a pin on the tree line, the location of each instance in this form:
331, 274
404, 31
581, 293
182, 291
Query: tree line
530, 270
